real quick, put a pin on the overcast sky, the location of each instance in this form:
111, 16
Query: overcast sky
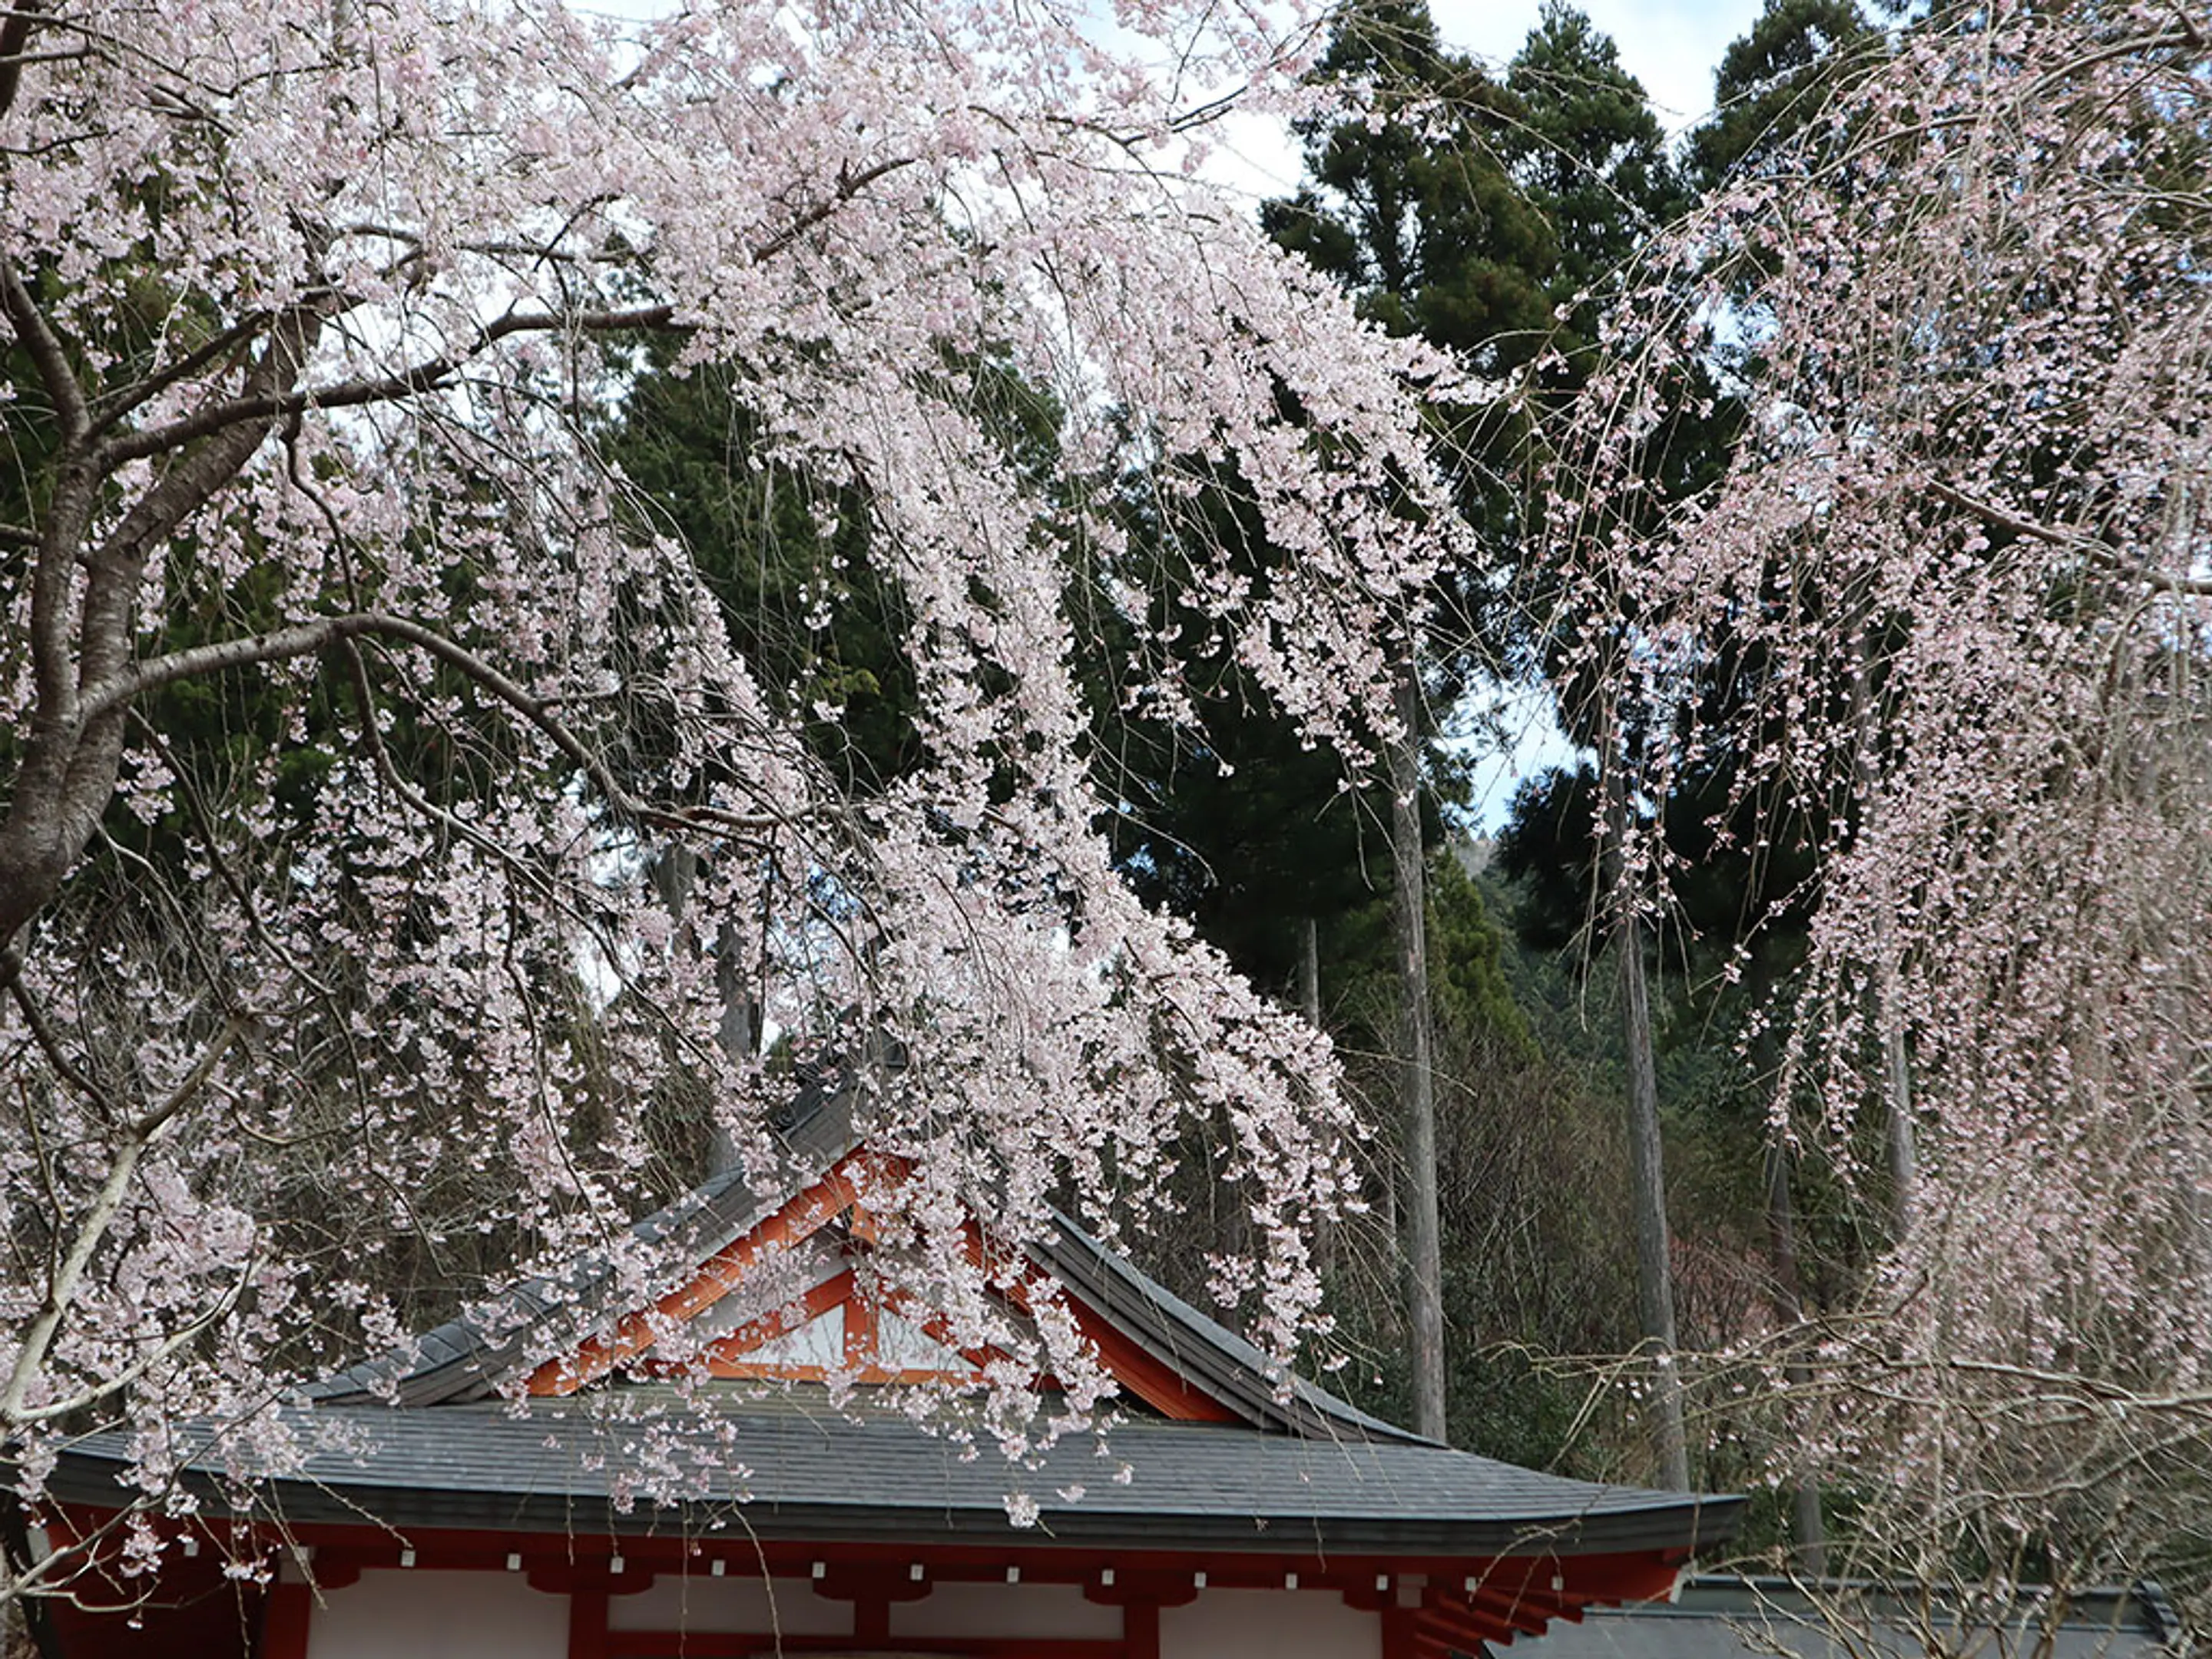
1672, 47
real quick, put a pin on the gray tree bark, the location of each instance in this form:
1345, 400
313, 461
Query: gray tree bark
1425, 1303
1654, 1278
675, 876
1808, 1529
1310, 1005
1896, 1058
1310, 973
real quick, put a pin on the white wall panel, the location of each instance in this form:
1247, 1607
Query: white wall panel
1253, 1623
703, 1602
1007, 1610
415, 1613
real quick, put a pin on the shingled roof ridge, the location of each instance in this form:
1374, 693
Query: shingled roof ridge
1201, 1347
468, 1357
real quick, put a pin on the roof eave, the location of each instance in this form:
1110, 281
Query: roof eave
1671, 1528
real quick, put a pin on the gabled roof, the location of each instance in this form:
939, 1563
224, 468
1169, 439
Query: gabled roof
468, 1357
473, 1357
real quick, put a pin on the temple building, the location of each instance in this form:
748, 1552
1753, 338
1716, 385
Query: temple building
473, 1499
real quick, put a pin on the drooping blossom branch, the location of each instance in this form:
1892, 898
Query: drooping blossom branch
1946, 618
346, 698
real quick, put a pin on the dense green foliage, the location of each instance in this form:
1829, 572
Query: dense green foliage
1777, 82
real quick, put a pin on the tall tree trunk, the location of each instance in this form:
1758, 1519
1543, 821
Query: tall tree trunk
676, 875
1896, 1087
1655, 1279
1889, 1013
1310, 1005
1310, 972
1809, 1531
736, 1035
1425, 1273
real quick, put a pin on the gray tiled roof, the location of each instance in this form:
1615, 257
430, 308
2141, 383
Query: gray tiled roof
1303, 1470
562, 1467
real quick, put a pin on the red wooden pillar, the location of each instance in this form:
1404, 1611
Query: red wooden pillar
872, 1621
588, 1621
1398, 1632
284, 1621
1140, 1630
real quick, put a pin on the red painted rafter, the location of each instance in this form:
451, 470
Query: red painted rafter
720, 1274
1151, 1379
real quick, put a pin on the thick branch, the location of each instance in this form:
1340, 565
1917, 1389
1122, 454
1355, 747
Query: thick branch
117, 566
93, 1225
263, 408
15, 34
429, 375
108, 1387
114, 405
1998, 517
304, 639
49, 1041
81, 635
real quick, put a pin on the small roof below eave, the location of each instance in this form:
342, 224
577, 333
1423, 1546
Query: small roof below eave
578, 1465
1720, 1616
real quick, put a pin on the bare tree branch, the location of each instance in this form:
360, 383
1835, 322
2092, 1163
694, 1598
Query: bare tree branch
1999, 517
47, 353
